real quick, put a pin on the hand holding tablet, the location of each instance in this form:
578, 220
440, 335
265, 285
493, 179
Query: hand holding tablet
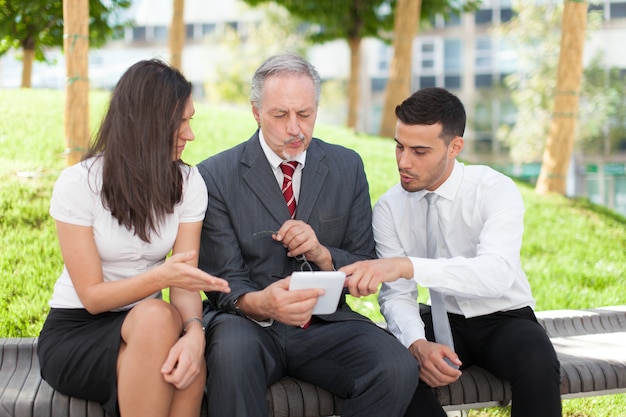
331, 281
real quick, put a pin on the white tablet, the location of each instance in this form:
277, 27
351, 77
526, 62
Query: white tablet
330, 281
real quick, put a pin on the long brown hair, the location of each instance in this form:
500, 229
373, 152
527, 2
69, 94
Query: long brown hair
140, 181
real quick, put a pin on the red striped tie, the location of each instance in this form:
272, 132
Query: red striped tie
288, 169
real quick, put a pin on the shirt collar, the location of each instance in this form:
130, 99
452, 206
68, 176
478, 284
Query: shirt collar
451, 185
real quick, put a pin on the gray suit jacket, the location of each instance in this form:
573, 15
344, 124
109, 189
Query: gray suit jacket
244, 198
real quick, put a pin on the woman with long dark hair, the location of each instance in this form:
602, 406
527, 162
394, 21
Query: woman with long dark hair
131, 202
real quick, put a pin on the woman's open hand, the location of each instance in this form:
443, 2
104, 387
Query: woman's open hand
178, 273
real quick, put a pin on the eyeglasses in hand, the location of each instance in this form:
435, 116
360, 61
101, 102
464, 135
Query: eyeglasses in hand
304, 264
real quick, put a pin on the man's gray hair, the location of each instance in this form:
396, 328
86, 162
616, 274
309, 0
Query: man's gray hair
287, 63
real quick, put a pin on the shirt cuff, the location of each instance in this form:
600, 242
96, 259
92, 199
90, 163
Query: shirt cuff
262, 323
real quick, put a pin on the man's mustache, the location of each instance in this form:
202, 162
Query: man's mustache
294, 138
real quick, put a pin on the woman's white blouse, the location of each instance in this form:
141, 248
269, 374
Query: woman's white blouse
76, 199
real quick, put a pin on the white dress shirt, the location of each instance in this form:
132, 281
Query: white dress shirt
76, 199
275, 162
481, 223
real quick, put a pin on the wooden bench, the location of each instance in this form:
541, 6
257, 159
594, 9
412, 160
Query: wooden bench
591, 345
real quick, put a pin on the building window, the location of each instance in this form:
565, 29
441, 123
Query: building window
617, 10
505, 57
139, 33
160, 33
384, 58
452, 55
208, 29
506, 14
96, 59
438, 62
233, 26
452, 19
483, 81
428, 81
483, 127
483, 16
452, 82
428, 47
595, 7
378, 84
189, 31
508, 112
429, 56
452, 59
483, 62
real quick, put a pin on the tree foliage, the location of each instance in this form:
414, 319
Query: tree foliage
602, 109
345, 19
535, 32
36, 25
340, 19
276, 32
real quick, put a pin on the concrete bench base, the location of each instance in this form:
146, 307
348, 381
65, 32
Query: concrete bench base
591, 345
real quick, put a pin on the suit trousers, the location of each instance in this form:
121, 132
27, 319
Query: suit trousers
354, 359
513, 346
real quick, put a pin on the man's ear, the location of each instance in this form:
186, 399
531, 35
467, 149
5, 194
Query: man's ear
255, 113
456, 146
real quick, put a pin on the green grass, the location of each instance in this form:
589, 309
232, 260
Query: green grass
573, 251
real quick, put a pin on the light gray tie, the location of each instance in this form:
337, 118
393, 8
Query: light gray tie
441, 325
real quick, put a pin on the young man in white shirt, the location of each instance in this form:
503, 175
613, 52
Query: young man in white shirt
476, 267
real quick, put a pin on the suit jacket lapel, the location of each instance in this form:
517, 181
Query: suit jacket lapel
313, 177
257, 173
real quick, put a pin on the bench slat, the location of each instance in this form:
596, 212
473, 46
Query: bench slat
20, 353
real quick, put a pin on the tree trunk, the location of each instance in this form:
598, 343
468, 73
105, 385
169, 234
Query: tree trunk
353, 82
27, 67
76, 46
560, 141
399, 83
177, 34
